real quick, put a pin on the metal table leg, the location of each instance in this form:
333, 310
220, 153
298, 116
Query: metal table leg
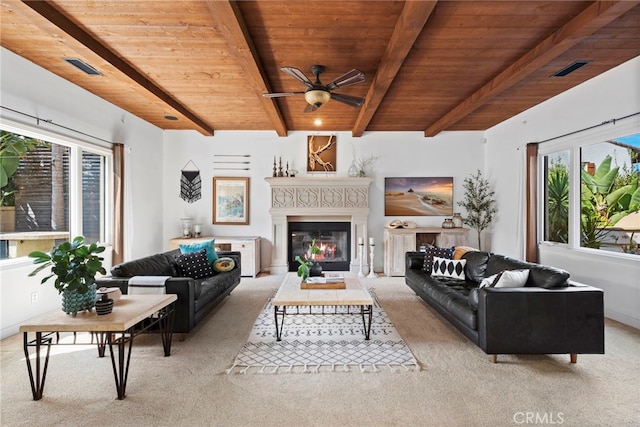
282, 312
367, 317
37, 383
166, 328
121, 372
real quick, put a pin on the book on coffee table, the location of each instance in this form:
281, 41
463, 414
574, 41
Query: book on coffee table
333, 276
322, 282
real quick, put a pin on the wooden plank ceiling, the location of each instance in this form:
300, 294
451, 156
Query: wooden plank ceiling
430, 66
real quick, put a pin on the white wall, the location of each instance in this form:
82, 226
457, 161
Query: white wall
30, 89
611, 95
456, 154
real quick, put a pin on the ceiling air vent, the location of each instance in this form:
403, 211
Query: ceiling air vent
83, 66
570, 68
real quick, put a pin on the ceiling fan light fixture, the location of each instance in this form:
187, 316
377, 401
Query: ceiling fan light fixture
317, 97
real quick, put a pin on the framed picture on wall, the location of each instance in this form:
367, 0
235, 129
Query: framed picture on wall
321, 153
429, 196
230, 200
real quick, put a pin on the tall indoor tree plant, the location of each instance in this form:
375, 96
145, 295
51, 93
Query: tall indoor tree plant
479, 203
74, 265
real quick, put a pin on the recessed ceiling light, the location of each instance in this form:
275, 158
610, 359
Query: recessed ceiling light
83, 66
570, 68
317, 122
168, 117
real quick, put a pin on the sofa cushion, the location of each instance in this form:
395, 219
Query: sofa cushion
547, 277
195, 265
224, 264
434, 251
207, 245
499, 263
443, 267
476, 266
472, 298
154, 265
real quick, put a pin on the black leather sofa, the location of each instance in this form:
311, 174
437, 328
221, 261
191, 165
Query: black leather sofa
549, 315
196, 297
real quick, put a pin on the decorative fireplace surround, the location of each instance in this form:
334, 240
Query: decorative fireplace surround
318, 199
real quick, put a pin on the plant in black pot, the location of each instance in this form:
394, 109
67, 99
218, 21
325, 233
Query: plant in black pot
74, 265
308, 266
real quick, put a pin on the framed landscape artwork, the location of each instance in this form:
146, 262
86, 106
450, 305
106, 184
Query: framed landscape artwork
430, 196
321, 153
230, 200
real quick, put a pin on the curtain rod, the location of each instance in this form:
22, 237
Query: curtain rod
612, 121
51, 122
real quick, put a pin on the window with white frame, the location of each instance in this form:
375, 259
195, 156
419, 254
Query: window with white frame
52, 189
590, 195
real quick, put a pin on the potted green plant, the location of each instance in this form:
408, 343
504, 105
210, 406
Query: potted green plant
305, 264
74, 266
479, 203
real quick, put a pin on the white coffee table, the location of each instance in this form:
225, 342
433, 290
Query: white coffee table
290, 299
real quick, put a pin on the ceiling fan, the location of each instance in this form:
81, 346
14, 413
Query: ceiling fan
318, 94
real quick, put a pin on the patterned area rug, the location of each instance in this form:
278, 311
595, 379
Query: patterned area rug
324, 342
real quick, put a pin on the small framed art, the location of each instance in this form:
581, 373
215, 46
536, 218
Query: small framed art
230, 200
321, 153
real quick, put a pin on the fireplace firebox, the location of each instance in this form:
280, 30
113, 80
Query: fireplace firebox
332, 238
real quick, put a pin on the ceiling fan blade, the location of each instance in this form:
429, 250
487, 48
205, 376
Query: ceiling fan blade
353, 101
298, 75
310, 108
347, 79
280, 94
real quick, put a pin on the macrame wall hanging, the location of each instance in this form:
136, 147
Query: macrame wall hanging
190, 184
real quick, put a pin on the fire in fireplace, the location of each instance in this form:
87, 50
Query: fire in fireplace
332, 238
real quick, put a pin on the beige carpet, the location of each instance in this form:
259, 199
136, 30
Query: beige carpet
458, 386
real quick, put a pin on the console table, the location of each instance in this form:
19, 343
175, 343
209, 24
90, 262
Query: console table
131, 315
248, 246
397, 241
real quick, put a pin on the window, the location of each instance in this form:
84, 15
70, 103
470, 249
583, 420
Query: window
52, 189
556, 173
591, 196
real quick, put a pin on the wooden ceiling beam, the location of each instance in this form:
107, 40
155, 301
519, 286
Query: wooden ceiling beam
410, 23
231, 25
54, 16
591, 19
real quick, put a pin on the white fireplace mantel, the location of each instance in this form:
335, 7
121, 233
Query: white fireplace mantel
317, 199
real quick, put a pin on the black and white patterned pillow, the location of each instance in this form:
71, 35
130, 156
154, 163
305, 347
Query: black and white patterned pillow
195, 265
434, 251
443, 267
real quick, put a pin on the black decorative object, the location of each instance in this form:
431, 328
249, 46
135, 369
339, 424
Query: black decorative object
104, 305
315, 270
190, 184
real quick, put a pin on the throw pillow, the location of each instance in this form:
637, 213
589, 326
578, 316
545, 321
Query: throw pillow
224, 264
434, 251
195, 265
208, 245
443, 267
488, 282
512, 279
458, 251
